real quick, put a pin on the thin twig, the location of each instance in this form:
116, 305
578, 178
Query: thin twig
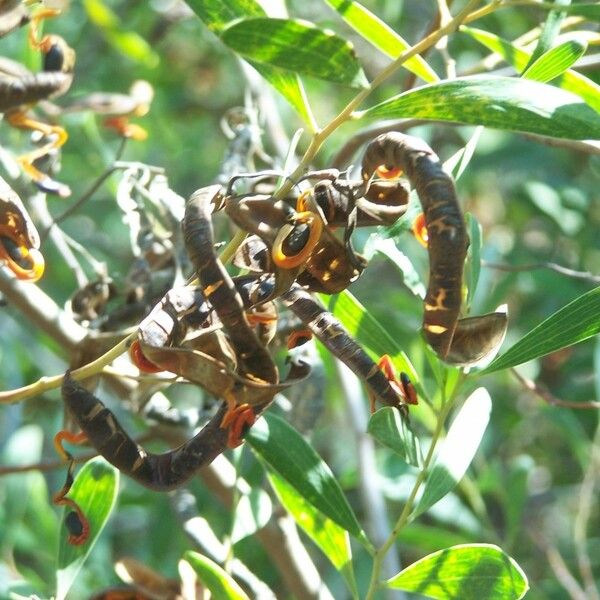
442, 45
531, 386
91, 190
279, 537
40, 207
587, 501
559, 567
373, 502
585, 275
344, 155
49, 465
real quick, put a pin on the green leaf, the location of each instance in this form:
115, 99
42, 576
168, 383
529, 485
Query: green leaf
590, 11
474, 264
388, 427
571, 81
332, 539
290, 87
100, 14
95, 491
133, 46
466, 572
220, 584
129, 43
556, 61
577, 321
550, 29
458, 449
498, 102
457, 164
216, 14
289, 455
368, 331
382, 36
410, 275
297, 46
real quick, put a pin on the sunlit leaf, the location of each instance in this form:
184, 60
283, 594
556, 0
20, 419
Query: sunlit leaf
332, 539
456, 452
577, 321
474, 265
221, 585
388, 427
498, 102
555, 61
466, 572
289, 455
550, 29
95, 491
381, 35
297, 46
368, 331
216, 14
571, 81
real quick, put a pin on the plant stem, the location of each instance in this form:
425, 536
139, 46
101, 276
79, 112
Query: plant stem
408, 506
347, 113
44, 384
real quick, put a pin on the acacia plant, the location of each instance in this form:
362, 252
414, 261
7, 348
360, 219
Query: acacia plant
216, 332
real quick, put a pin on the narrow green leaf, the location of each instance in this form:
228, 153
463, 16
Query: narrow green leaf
556, 61
220, 584
410, 276
95, 491
297, 46
466, 572
382, 36
550, 29
332, 539
290, 87
289, 455
132, 45
474, 264
498, 102
216, 14
577, 321
100, 14
128, 43
457, 164
458, 449
571, 81
368, 331
388, 427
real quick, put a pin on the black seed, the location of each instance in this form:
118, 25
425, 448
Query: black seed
73, 524
296, 241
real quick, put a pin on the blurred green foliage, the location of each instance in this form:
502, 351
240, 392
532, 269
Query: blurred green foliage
536, 203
